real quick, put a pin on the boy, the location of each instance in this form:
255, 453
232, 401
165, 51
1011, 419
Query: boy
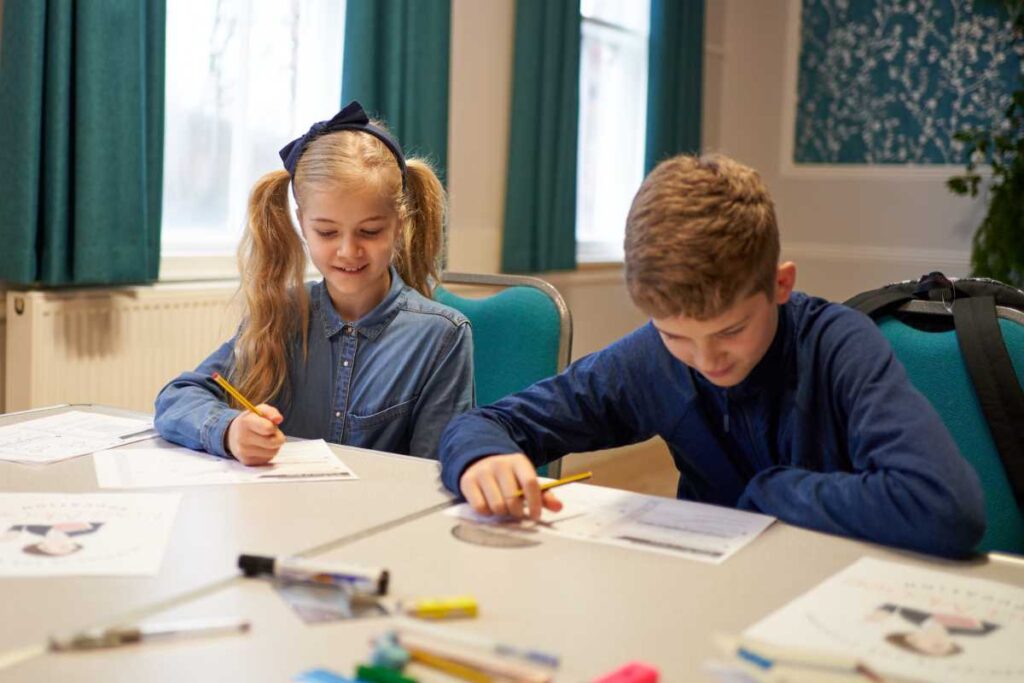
769, 400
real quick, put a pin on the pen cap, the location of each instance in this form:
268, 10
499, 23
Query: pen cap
254, 565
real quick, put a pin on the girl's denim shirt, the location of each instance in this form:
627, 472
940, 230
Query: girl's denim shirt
390, 381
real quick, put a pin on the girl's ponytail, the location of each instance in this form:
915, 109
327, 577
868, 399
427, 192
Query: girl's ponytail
272, 263
419, 251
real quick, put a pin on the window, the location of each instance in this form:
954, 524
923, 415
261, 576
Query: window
613, 120
243, 78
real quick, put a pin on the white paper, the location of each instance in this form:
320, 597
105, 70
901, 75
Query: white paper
707, 533
910, 622
67, 435
103, 534
176, 466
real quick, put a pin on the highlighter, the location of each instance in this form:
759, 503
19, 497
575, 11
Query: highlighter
441, 608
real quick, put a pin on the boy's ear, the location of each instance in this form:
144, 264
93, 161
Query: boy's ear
785, 280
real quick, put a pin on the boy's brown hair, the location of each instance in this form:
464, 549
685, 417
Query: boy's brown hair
701, 235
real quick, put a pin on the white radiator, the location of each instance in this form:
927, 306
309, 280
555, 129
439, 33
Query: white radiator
111, 346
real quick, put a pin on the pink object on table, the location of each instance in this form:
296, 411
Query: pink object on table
634, 672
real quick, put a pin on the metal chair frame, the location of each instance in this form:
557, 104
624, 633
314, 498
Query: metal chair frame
564, 317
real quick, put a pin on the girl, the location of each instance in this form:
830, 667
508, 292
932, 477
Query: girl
363, 357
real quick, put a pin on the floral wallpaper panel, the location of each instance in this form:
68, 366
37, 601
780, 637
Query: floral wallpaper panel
891, 81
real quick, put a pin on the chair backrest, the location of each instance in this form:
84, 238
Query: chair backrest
935, 365
521, 334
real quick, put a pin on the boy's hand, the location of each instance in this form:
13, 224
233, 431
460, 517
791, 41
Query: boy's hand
490, 484
255, 440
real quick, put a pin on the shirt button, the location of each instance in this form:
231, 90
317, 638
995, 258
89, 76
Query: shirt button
345, 363
348, 330
337, 413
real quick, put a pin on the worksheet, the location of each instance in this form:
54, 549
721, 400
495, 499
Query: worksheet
902, 620
67, 435
695, 531
84, 534
167, 465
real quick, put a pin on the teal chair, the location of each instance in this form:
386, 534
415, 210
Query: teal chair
521, 333
936, 367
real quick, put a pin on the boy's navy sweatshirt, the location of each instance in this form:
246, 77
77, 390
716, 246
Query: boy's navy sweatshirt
826, 432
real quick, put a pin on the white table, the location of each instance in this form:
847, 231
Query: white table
596, 606
214, 524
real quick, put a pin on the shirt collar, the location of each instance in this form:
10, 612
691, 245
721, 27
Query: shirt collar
370, 325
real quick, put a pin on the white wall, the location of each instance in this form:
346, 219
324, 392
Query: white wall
478, 125
848, 230
481, 92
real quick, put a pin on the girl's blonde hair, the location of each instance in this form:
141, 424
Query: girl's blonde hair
272, 254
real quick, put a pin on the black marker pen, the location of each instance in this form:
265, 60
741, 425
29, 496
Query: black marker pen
359, 579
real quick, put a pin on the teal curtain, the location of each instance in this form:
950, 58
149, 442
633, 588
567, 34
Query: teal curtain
540, 200
675, 74
81, 129
396, 65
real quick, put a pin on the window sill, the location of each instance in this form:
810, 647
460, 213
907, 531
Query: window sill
600, 254
209, 267
198, 268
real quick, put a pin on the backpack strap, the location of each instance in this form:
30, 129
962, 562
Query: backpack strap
878, 301
995, 382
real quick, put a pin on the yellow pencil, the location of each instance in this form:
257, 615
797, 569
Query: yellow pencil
226, 386
558, 482
450, 667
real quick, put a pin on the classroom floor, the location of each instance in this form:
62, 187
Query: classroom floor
644, 468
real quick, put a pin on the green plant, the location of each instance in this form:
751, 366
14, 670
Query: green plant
998, 245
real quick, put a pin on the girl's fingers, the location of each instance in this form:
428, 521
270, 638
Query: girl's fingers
270, 413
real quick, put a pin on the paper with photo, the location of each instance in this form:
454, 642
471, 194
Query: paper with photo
68, 435
167, 465
707, 533
95, 534
909, 622
316, 603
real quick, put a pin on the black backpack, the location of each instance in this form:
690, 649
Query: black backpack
972, 302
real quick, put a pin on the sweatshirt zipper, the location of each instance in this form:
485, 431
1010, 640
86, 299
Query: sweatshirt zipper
725, 417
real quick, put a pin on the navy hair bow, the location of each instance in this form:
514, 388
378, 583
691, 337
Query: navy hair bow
352, 117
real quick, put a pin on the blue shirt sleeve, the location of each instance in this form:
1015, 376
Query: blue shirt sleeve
447, 393
909, 487
191, 409
584, 408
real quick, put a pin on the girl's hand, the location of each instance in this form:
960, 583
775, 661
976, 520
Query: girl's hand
253, 439
490, 484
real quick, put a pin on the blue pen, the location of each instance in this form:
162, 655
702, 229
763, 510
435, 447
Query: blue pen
768, 656
524, 653
754, 658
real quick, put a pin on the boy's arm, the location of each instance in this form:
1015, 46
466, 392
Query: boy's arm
909, 487
447, 393
191, 410
593, 404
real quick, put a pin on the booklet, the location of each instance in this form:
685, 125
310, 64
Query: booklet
168, 465
909, 622
680, 528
